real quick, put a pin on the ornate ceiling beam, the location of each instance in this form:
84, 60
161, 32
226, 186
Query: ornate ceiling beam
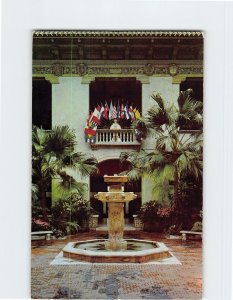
115, 33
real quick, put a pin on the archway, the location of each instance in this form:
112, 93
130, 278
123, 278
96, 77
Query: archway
111, 167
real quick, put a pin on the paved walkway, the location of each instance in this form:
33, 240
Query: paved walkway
117, 281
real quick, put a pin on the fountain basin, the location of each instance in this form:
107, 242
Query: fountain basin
138, 251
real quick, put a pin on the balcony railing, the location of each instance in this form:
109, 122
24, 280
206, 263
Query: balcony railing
115, 138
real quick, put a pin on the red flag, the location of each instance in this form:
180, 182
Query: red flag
96, 115
90, 128
106, 110
90, 131
122, 112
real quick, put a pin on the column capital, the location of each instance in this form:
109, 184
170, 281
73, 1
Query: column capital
50, 77
177, 79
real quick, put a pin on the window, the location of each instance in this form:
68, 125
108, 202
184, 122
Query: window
42, 103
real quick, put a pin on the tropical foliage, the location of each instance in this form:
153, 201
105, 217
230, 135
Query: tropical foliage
53, 156
176, 155
154, 216
70, 215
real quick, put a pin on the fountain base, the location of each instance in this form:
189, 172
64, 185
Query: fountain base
115, 245
137, 251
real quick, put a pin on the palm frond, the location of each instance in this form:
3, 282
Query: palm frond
190, 110
133, 174
159, 113
38, 138
67, 184
184, 95
183, 164
84, 164
159, 101
34, 192
60, 141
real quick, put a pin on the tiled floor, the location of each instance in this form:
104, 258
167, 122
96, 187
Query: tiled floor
117, 281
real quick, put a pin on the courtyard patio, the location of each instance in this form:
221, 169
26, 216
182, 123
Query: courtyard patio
181, 279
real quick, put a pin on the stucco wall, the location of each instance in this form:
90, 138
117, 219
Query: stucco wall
70, 106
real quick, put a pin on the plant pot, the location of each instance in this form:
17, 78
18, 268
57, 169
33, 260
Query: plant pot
138, 224
93, 222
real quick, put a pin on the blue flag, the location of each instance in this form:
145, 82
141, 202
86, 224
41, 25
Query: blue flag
126, 111
118, 110
110, 111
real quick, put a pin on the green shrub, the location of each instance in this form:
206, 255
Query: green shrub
70, 215
154, 216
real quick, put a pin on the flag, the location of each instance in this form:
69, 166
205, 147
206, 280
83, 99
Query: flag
90, 116
106, 110
131, 113
110, 111
114, 112
90, 130
137, 114
126, 111
96, 115
118, 110
122, 112
101, 110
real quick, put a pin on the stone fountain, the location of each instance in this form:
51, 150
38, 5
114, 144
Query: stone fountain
116, 198
116, 249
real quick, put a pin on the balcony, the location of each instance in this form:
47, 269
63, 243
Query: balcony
123, 138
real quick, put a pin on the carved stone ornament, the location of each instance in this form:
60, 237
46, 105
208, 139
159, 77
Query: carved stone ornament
57, 69
173, 69
149, 69
81, 69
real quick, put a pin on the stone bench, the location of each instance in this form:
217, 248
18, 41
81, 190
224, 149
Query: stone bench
47, 234
184, 233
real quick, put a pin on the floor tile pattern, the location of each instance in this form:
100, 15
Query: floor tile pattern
117, 281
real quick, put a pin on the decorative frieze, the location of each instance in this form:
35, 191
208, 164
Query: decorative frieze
147, 69
57, 69
190, 70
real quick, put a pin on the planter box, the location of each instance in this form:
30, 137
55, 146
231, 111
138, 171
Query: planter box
93, 222
138, 224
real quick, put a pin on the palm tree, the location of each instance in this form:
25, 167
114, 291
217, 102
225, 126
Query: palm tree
53, 154
176, 153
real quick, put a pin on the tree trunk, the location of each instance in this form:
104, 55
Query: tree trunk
177, 199
43, 204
